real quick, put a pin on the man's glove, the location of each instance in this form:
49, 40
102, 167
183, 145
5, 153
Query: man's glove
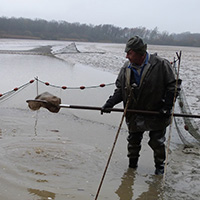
166, 111
106, 108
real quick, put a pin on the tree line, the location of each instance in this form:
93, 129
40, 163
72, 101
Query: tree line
62, 30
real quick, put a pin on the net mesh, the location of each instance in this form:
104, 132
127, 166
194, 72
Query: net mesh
190, 125
45, 100
71, 48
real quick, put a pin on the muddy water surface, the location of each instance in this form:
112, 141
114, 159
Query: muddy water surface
62, 156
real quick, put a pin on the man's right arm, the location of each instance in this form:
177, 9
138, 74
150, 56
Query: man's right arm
116, 97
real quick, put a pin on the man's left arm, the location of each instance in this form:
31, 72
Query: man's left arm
172, 88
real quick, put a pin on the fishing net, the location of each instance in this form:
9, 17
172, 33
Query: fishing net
71, 48
42, 50
45, 100
190, 125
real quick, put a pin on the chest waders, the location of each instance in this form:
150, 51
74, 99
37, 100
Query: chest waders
156, 142
134, 143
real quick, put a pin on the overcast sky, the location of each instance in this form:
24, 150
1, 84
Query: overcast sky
173, 16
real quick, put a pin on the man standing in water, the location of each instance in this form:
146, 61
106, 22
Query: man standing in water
148, 81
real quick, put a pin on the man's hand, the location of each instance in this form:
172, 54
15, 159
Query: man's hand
166, 112
106, 108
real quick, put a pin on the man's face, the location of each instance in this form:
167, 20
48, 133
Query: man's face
134, 57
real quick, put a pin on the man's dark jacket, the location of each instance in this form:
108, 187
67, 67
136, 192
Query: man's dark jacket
158, 80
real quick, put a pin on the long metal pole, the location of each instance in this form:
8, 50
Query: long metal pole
144, 112
128, 110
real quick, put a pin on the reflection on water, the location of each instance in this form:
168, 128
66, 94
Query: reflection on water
126, 188
155, 190
44, 195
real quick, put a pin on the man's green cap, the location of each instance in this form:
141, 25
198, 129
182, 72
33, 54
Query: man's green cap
136, 44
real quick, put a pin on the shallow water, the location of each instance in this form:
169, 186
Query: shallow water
44, 155
62, 156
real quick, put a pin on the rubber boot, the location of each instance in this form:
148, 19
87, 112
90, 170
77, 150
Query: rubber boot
133, 163
134, 147
160, 169
159, 159
157, 139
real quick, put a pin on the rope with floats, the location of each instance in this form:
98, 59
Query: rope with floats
81, 87
6, 95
